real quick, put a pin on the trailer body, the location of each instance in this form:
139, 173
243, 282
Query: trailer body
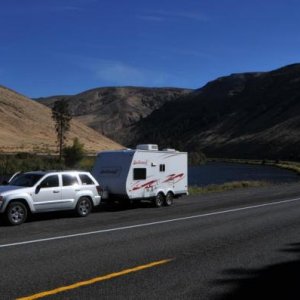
141, 173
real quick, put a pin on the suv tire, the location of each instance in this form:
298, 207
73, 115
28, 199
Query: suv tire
83, 207
16, 213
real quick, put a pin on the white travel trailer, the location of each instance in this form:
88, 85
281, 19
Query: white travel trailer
142, 173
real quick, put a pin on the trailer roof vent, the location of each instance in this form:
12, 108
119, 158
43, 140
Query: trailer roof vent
169, 150
147, 147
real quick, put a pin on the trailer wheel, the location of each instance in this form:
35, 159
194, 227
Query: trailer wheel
169, 200
159, 200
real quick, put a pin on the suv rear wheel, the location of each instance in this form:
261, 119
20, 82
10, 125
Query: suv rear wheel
83, 207
16, 213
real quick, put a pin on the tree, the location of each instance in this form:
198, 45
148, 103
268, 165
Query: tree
62, 118
74, 153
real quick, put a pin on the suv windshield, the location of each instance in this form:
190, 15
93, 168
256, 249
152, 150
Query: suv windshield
26, 180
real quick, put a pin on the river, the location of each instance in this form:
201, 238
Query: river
218, 173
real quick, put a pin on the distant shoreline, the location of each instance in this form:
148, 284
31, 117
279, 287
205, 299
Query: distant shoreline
282, 164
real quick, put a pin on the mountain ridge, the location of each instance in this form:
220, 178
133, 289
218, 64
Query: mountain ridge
246, 115
113, 111
242, 115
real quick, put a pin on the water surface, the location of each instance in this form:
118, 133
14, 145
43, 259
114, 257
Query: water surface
218, 173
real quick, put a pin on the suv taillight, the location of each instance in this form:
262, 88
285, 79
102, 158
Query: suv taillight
99, 190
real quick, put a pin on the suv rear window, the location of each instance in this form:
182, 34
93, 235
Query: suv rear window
69, 180
85, 179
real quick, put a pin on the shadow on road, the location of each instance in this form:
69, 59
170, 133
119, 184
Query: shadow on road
103, 208
116, 206
281, 281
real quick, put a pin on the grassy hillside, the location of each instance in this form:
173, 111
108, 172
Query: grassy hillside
26, 126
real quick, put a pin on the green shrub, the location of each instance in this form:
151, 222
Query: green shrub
10, 164
73, 154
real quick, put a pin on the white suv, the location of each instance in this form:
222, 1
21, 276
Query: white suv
40, 191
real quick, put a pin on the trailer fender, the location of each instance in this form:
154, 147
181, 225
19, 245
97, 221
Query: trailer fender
160, 191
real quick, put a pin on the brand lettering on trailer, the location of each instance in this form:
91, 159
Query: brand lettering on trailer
109, 171
174, 177
140, 162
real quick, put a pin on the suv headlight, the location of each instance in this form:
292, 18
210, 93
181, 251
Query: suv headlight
1, 201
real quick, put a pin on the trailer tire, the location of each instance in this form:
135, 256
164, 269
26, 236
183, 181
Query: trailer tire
169, 200
159, 200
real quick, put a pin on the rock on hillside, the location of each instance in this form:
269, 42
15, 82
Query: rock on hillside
26, 125
113, 111
249, 115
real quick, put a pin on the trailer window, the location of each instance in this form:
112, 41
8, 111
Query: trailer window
139, 173
162, 168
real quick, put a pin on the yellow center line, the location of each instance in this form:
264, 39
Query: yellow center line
94, 280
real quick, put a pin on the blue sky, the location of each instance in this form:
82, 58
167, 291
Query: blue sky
50, 47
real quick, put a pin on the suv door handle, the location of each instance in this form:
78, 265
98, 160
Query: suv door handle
56, 192
77, 190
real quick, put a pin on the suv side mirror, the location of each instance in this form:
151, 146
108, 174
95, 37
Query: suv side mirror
4, 182
37, 189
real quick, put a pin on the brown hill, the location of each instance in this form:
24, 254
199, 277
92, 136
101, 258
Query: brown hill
26, 125
248, 115
113, 111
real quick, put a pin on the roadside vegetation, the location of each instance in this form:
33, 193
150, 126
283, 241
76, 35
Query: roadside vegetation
12, 163
73, 158
292, 166
214, 188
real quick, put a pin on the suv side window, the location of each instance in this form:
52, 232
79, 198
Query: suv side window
69, 180
85, 179
50, 181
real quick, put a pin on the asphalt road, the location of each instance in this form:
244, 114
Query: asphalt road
243, 244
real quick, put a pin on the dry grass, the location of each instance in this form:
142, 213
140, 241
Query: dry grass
27, 126
288, 165
214, 188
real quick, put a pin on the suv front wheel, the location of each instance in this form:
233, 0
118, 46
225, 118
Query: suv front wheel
16, 213
83, 207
